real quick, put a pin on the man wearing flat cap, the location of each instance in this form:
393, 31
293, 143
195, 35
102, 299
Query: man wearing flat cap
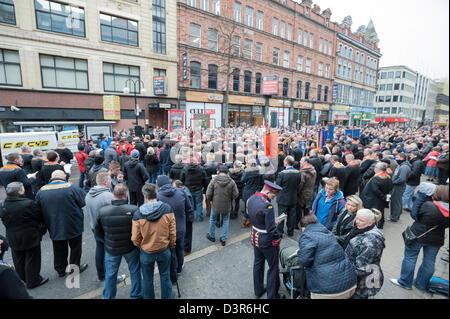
265, 240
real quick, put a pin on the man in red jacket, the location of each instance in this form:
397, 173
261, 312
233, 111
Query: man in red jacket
81, 156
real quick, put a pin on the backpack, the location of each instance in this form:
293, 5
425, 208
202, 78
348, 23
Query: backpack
438, 285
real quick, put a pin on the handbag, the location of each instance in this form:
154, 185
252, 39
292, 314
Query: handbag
409, 237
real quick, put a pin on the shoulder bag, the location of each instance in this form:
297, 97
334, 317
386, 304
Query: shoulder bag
409, 237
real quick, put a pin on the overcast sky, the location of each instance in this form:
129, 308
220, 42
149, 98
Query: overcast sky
414, 33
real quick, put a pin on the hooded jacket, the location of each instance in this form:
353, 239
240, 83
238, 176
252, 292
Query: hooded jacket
151, 163
221, 192
306, 186
110, 155
236, 175
179, 203
175, 171
92, 174
417, 169
327, 212
328, 270
135, 174
96, 198
153, 228
365, 251
431, 214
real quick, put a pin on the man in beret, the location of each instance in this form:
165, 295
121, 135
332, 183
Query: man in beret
265, 239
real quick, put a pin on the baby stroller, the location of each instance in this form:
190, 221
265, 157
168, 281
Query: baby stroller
294, 276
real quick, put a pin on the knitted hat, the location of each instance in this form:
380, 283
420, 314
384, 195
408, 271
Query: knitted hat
163, 180
134, 153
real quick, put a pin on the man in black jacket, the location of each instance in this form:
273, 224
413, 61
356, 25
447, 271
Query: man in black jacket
338, 170
417, 169
27, 156
195, 179
352, 175
24, 225
136, 176
365, 165
45, 174
289, 179
61, 203
375, 193
13, 172
114, 227
65, 155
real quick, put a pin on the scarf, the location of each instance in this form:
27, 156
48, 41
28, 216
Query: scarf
355, 232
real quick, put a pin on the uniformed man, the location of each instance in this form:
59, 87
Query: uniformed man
265, 240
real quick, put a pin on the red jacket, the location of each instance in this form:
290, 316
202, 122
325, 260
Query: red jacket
432, 162
81, 156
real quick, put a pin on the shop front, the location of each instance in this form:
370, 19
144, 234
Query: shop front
322, 114
246, 110
340, 114
362, 116
393, 121
203, 110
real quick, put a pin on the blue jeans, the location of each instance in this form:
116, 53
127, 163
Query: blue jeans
407, 199
425, 271
212, 225
81, 180
198, 203
148, 267
112, 264
152, 177
100, 257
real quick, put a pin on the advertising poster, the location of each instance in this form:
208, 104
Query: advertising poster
111, 107
176, 120
159, 85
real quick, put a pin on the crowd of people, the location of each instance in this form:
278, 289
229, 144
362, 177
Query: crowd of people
143, 196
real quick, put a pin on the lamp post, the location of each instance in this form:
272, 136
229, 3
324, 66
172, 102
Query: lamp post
126, 90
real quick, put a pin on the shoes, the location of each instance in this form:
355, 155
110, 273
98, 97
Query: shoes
62, 274
121, 278
234, 216
282, 296
395, 282
179, 271
200, 219
262, 293
223, 242
249, 223
187, 253
445, 259
407, 209
290, 234
83, 267
43, 281
392, 220
244, 222
210, 238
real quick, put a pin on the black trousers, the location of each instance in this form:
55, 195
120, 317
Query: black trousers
28, 265
442, 176
300, 212
291, 213
61, 252
188, 237
273, 276
136, 198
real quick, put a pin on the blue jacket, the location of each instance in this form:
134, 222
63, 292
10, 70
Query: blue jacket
189, 212
327, 213
328, 270
176, 199
105, 143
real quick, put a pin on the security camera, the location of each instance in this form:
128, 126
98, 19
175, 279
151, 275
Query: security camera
14, 108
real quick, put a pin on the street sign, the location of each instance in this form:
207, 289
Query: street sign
185, 63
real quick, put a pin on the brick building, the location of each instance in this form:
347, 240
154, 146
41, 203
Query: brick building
357, 61
58, 59
247, 41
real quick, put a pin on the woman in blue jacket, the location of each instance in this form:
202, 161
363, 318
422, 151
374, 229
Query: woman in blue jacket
329, 273
329, 203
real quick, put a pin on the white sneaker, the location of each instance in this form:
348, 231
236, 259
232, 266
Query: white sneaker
395, 282
121, 278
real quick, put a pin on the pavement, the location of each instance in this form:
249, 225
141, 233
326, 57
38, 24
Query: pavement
215, 272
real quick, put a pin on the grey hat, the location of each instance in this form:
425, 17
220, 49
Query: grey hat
134, 153
163, 180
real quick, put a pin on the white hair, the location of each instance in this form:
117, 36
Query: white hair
370, 215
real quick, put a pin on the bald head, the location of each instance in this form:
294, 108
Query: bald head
349, 157
59, 174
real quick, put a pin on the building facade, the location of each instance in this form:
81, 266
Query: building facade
60, 59
232, 52
358, 58
441, 113
402, 96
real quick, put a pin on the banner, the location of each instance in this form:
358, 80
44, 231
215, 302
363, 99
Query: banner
331, 132
302, 145
176, 120
271, 145
111, 107
201, 121
322, 135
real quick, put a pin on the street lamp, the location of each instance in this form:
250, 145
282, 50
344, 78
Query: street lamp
126, 90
